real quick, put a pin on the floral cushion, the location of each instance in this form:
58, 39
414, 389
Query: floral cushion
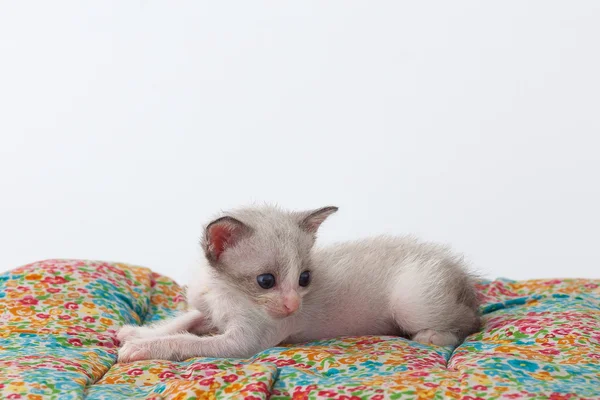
541, 340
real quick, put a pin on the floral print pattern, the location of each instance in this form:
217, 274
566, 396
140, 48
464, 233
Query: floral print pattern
58, 318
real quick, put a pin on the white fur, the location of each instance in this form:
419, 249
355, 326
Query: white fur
378, 286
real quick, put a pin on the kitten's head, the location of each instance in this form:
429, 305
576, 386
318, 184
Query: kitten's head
265, 254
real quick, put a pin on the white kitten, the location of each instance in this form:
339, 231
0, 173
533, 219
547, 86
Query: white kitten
263, 284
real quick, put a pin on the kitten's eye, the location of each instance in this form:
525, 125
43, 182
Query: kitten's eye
266, 281
304, 279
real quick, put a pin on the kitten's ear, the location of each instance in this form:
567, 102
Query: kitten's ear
312, 220
222, 234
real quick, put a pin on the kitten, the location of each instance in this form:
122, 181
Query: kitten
263, 284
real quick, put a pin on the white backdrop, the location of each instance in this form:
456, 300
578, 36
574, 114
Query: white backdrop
125, 125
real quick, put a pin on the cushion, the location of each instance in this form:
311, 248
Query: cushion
58, 318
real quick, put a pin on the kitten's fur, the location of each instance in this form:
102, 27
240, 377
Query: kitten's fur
378, 286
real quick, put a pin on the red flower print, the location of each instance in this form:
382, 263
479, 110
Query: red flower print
480, 387
197, 367
54, 280
42, 316
300, 395
89, 319
230, 378
377, 397
53, 290
553, 282
13, 396
562, 331
530, 328
327, 393
524, 321
207, 382
251, 398
179, 298
135, 372
558, 396
71, 306
166, 374
75, 342
356, 389
513, 396
472, 398
257, 387
29, 301
82, 290
116, 270
344, 397
283, 363
65, 317
420, 373
550, 351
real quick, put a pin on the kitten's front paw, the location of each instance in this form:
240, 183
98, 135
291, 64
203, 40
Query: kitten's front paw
438, 338
134, 351
154, 348
128, 332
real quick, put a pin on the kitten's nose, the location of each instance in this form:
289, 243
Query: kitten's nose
291, 304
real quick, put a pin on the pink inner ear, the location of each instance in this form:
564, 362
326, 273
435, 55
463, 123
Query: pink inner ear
220, 236
313, 221
313, 224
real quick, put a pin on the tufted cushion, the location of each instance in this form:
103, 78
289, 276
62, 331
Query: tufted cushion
541, 340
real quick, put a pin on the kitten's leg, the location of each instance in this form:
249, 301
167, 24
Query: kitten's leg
438, 338
441, 326
192, 321
179, 347
427, 307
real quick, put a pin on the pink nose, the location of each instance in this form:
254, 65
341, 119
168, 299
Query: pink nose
291, 304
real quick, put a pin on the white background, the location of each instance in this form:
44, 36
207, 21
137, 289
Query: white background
126, 125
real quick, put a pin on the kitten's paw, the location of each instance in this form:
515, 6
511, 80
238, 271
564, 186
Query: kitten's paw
128, 332
134, 351
132, 332
438, 338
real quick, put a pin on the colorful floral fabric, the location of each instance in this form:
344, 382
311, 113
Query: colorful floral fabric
540, 340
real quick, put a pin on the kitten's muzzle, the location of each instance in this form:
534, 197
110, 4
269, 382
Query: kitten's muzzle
291, 303
288, 306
